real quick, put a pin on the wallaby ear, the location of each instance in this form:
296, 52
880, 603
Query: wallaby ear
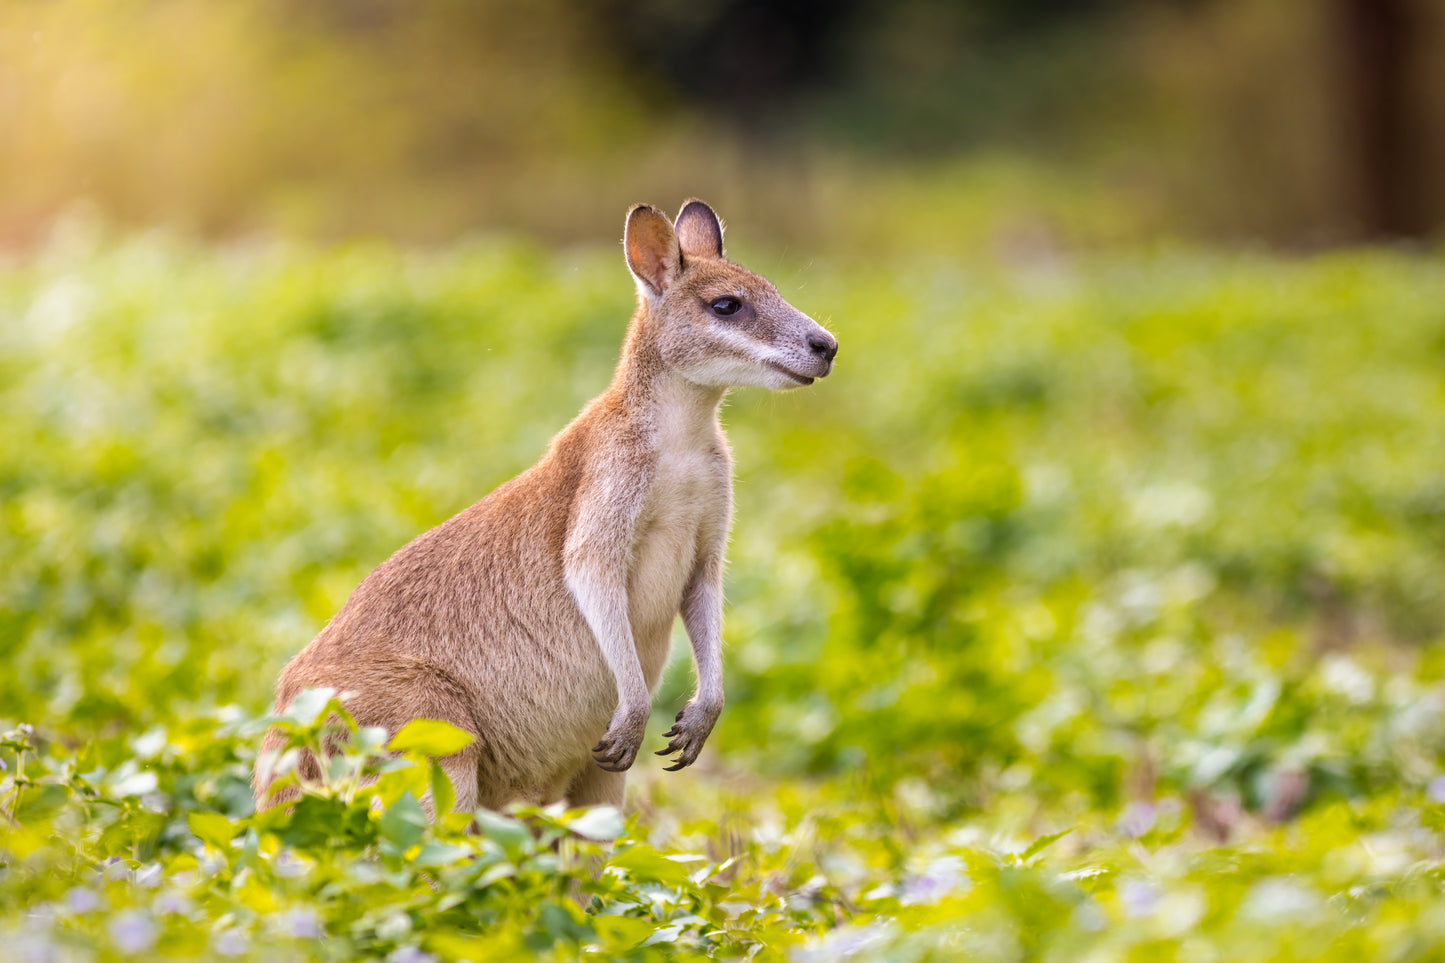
653, 256
699, 232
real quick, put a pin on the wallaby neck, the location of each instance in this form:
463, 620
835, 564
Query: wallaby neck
645, 383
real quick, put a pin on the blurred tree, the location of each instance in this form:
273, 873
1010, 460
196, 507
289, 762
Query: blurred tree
1382, 119
738, 55
755, 59
1288, 120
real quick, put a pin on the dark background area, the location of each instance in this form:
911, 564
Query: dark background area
1289, 122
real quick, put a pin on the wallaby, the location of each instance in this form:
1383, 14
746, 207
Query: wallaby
540, 618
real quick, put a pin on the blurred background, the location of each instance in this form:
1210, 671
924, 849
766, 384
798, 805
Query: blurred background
937, 123
356, 263
1124, 510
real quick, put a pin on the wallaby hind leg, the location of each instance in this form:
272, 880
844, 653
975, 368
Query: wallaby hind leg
265, 797
308, 768
394, 693
420, 690
461, 769
595, 786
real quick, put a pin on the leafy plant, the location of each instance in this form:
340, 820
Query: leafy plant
1084, 614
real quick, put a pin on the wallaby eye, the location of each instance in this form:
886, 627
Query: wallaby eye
725, 306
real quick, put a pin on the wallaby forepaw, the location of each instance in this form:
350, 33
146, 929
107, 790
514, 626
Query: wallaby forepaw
619, 747
690, 730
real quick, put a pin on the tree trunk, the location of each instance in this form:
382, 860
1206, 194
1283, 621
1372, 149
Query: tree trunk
1382, 117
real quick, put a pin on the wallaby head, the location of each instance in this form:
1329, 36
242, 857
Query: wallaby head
716, 323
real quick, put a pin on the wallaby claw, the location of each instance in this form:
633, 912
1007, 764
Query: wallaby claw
694, 724
614, 756
618, 749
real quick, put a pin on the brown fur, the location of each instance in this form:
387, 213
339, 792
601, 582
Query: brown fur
540, 618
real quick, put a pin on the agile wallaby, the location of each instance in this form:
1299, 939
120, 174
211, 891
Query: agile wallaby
541, 617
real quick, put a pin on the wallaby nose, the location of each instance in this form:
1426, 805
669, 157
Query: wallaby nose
824, 346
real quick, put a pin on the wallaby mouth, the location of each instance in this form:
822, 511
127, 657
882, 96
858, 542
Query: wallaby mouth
801, 379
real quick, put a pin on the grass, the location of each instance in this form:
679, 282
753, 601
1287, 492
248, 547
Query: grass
1144, 550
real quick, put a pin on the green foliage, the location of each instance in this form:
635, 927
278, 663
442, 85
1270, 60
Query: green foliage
1090, 611
430, 737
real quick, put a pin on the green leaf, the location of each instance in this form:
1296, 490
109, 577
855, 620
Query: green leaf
369, 738
308, 705
317, 821
644, 862
430, 737
620, 933
565, 923
599, 822
407, 778
1042, 843
478, 949
212, 828
513, 836
404, 823
444, 797
494, 873
440, 854
666, 934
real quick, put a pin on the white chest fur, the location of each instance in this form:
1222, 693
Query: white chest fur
687, 497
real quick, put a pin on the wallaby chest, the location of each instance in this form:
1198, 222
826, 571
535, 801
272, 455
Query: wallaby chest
688, 495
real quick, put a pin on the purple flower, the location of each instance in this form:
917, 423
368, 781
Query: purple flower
941, 877
34, 948
288, 865
132, 931
172, 902
1138, 818
230, 942
844, 942
82, 899
1139, 898
1436, 790
303, 923
409, 954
